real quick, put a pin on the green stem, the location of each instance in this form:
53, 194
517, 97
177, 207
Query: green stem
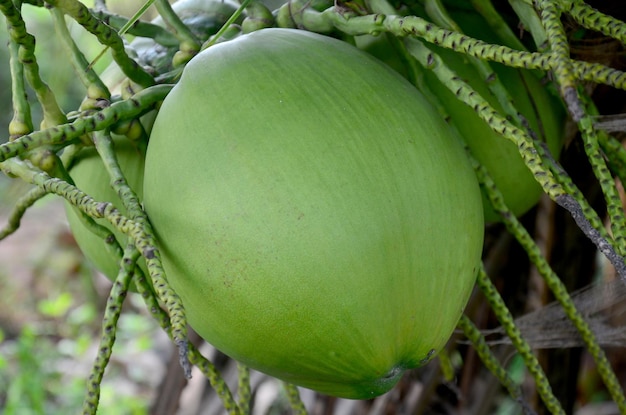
592, 19
243, 390
83, 70
600, 74
496, 121
66, 134
526, 146
559, 56
143, 241
16, 215
523, 348
22, 122
610, 147
206, 367
53, 115
413, 26
130, 201
564, 73
104, 146
293, 395
489, 359
108, 37
553, 282
615, 153
590, 215
486, 72
112, 314
215, 379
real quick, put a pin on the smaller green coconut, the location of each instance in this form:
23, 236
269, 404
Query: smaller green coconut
90, 175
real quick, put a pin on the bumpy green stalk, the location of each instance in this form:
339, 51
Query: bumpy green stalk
601, 74
75, 196
83, 70
613, 150
401, 26
564, 73
108, 37
615, 153
587, 219
523, 348
441, 16
20, 208
111, 244
112, 314
53, 115
414, 26
206, 367
293, 395
587, 211
563, 68
578, 206
144, 243
23, 60
592, 19
445, 365
104, 146
425, 58
22, 122
535, 164
531, 21
482, 108
555, 285
523, 141
489, 359
601, 170
210, 372
217, 382
243, 390
66, 134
